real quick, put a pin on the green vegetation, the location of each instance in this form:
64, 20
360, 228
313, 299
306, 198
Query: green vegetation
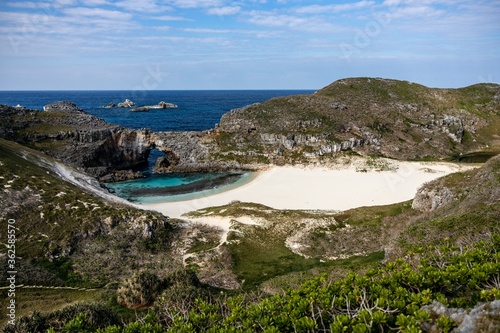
30, 300
82, 317
393, 296
289, 243
382, 299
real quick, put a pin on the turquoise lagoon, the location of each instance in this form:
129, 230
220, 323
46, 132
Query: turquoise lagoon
157, 188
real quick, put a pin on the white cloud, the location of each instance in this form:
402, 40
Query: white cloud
276, 20
28, 4
208, 31
320, 9
97, 12
142, 6
230, 10
62, 3
95, 2
197, 3
169, 18
416, 11
299, 23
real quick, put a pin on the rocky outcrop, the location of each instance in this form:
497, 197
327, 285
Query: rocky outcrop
452, 126
164, 105
107, 151
66, 106
187, 152
390, 118
461, 191
318, 141
126, 104
140, 109
429, 199
67, 133
484, 318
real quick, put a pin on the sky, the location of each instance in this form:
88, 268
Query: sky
254, 44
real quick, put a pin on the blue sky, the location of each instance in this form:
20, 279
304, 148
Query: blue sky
255, 44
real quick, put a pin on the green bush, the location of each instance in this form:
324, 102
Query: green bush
139, 291
390, 297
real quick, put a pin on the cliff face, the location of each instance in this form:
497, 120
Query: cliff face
190, 152
103, 150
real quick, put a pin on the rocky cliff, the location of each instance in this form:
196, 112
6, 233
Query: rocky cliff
67, 133
390, 118
461, 192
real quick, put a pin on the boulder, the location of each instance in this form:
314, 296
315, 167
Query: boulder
161, 165
165, 163
484, 318
161, 105
431, 198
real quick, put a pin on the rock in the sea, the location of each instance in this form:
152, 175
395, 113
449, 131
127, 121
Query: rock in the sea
126, 104
121, 175
165, 163
161, 164
140, 109
161, 105
165, 105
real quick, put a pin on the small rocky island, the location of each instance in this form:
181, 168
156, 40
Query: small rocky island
129, 104
161, 105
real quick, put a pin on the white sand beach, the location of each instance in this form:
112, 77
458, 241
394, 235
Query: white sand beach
322, 188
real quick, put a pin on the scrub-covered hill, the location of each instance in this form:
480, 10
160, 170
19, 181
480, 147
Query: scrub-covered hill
396, 119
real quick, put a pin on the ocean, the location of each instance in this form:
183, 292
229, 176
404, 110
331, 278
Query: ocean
197, 110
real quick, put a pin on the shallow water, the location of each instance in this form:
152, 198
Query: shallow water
178, 186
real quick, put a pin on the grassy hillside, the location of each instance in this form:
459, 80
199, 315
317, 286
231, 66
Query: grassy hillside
66, 237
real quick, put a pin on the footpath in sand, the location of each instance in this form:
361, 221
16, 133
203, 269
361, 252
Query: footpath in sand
320, 188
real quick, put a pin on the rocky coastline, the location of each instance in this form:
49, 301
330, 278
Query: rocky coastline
360, 116
106, 151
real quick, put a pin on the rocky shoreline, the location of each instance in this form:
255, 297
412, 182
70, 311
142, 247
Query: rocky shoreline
106, 151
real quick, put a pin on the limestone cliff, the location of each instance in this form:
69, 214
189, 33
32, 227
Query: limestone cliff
68, 133
389, 118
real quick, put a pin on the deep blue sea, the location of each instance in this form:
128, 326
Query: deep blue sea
197, 110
